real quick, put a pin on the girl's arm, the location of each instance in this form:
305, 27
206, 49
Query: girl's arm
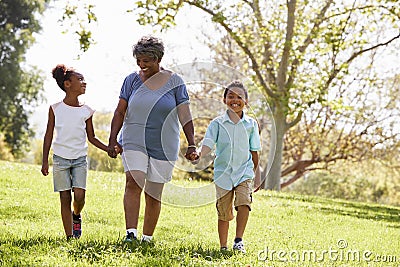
48, 138
91, 136
116, 125
257, 178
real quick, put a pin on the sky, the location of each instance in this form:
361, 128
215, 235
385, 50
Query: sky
107, 62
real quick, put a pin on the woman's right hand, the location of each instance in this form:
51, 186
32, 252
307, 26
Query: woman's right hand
113, 149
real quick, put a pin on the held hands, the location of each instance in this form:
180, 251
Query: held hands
114, 148
191, 154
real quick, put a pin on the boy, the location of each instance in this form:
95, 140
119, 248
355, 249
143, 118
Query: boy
237, 140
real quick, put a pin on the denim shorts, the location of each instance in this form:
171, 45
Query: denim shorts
69, 173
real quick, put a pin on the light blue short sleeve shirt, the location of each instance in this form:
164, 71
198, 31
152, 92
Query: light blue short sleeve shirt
233, 142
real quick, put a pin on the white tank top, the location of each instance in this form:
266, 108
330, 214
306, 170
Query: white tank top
70, 126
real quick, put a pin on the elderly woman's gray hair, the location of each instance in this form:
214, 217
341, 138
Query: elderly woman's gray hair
149, 46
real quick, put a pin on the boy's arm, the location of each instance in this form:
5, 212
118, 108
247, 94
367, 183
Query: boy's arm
48, 138
203, 152
91, 136
257, 172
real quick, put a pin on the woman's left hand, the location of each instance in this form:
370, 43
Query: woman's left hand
191, 154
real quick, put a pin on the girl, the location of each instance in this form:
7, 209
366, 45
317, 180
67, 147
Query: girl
73, 123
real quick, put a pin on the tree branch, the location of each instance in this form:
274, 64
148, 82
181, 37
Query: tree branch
283, 64
237, 39
308, 40
295, 121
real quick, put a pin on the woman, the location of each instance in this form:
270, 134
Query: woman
152, 103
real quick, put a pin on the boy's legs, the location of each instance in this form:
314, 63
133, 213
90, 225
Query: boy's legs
223, 229
243, 200
241, 220
65, 200
225, 214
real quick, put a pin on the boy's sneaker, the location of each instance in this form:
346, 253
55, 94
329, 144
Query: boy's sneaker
76, 225
239, 246
130, 237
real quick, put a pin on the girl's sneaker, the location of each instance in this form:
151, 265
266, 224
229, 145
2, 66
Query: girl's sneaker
76, 225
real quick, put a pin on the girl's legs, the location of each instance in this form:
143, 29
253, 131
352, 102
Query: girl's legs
79, 200
133, 189
223, 227
153, 193
65, 200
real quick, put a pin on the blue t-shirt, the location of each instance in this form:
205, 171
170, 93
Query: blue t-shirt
233, 141
151, 122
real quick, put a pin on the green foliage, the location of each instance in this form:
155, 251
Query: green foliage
5, 153
80, 16
20, 87
31, 232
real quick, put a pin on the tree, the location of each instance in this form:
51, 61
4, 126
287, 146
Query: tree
350, 125
297, 51
20, 87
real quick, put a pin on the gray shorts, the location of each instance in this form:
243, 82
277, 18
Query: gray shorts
69, 173
157, 171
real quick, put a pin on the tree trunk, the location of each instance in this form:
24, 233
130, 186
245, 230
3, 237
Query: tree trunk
273, 179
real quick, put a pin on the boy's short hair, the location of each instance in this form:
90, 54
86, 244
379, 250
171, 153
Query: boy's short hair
237, 84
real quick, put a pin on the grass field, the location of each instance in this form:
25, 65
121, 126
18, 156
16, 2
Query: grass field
283, 229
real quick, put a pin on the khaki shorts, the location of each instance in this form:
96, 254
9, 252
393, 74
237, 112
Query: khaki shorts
225, 203
157, 171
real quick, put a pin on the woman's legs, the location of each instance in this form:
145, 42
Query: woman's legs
153, 193
133, 189
65, 200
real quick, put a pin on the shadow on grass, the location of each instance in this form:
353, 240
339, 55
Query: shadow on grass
206, 253
358, 210
190, 251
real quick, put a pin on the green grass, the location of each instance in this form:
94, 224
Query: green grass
283, 226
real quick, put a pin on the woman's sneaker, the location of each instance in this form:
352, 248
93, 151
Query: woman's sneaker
130, 237
239, 246
76, 225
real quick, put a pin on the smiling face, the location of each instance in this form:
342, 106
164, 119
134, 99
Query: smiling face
75, 84
148, 65
236, 100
